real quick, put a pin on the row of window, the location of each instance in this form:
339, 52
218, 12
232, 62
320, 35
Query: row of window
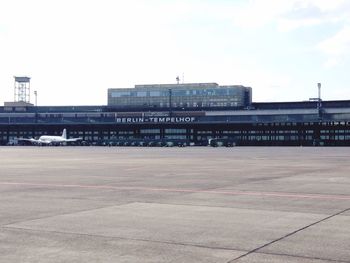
175, 104
177, 92
180, 131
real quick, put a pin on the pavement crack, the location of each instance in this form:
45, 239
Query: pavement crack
61, 214
303, 257
288, 235
122, 238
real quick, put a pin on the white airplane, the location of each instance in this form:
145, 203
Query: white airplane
50, 139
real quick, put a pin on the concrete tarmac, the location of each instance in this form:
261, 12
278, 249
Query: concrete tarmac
193, 204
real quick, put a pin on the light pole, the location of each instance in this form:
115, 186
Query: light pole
170, 104
319, 102
36, 97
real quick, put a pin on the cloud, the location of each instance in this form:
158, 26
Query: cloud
291, 14
258, 13
292, 24
337, 47
338, 44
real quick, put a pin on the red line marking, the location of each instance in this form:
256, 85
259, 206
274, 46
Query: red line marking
150, 189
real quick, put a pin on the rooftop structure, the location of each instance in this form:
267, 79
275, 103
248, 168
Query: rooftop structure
22, 89
21, 95
181, 95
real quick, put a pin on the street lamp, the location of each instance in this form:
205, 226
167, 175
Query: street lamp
319, 91
170, 104
36, 97
319, 102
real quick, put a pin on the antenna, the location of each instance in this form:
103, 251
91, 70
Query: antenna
183, 78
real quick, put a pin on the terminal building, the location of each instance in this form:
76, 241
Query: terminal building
181, 95
190, 113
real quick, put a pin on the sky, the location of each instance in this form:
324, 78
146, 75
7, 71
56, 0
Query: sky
74, 50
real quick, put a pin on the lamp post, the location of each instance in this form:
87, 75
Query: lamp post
36, 97
319, 91
170, 103
319, 102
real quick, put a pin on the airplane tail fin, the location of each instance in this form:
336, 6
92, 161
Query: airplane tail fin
64, 134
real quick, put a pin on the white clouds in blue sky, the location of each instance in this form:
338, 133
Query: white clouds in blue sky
74, 50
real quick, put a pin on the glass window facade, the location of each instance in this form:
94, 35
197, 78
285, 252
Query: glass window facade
181, 95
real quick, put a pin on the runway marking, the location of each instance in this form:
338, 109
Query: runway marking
177, 190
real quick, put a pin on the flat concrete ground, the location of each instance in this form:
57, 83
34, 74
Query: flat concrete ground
194, 204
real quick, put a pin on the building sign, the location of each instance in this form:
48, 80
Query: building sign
156, 120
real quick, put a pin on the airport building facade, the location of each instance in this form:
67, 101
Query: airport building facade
305, 123
181, 96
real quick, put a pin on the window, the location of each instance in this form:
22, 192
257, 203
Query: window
221, 92
154, 93
175, 131
117, 94
179, 93
146, 131
141, 93
175, 137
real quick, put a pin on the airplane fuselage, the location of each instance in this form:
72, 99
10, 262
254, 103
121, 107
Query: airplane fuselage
50, 139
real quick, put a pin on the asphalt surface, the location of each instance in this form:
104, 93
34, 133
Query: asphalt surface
193, 204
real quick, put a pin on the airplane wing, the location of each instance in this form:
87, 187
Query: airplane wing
27, 140
73, 139
32, 140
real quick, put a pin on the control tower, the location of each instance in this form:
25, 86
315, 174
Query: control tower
22, 89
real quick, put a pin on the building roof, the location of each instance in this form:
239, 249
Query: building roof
180, 85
